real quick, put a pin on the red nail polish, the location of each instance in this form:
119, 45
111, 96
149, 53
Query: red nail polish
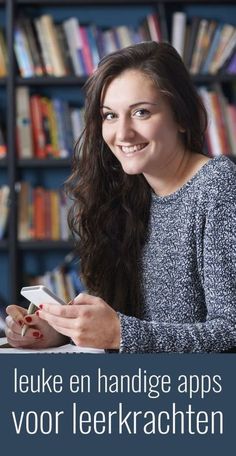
28, 319
37, 313
40, 306
36, 334
20, 322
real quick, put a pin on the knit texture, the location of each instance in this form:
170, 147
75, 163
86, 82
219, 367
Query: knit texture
188, 268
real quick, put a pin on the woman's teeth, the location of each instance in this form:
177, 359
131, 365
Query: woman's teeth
130, 149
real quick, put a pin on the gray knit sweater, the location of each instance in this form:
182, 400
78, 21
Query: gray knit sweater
188, 268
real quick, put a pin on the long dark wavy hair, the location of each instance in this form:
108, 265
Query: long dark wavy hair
110, 211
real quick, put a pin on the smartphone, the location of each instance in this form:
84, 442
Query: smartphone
39, 294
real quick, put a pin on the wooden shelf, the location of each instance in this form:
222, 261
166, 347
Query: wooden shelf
50, 81
46, 245
209, 78
75, 81
47, 163
66, 3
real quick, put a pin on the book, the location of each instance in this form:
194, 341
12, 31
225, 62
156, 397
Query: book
212, 133
50, 128
231, 122
154, 27
231, 68
23, 200
227, 54
38, 130
92, 40
55, 215
206, 42
199, 48
212, 49
64, 208
121, 37
51, 41
27, 26
62, 41
3, 145
74, 41
4, 209
219, 104
22, 52
46, 55
86, 51
178, 31
77, 122
3, 55
192, 34
39, 213
23, 123
227, 33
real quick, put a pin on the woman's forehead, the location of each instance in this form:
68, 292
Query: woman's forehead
131, 86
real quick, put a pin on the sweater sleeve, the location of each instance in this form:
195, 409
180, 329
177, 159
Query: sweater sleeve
218, 332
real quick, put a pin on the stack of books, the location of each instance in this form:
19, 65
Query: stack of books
42, 213
206, 46
43, 47
46, 128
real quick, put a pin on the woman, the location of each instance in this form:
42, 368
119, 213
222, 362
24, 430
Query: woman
154, 216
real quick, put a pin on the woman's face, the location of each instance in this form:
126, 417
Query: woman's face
138, 124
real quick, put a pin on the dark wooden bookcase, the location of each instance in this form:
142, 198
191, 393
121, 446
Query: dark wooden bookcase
12, 166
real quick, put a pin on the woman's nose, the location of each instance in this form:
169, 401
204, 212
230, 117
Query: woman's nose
125, 130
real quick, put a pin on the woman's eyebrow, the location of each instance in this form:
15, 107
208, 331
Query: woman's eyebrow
142, 103
133, 105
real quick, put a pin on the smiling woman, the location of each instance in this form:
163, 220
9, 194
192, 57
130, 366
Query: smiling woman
154, 217
144, 135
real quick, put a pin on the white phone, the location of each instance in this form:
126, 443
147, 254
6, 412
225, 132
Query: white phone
39, 294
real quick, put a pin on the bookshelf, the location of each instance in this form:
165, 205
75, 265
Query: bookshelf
15, 255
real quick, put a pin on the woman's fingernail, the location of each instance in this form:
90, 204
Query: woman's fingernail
37, 313
20, 322
40, 306
36, 334
28, 319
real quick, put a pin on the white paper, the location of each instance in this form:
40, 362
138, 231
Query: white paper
68, 348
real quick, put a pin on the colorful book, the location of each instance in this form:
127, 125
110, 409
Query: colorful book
23, 123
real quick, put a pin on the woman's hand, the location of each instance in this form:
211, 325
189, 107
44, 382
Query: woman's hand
88, 321
38, 335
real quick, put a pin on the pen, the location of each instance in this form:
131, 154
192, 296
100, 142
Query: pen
31, 309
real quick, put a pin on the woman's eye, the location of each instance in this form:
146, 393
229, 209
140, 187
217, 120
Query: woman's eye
108, 116
141, 113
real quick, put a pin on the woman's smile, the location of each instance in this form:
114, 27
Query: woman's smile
132, 149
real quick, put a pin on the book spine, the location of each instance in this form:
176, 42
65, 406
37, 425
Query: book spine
199, 47
178, 32
4, 209
212, 134
23, 123
212, 49
37, 126
54, 51
44, 47
71, 29
87, 56
24, 61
